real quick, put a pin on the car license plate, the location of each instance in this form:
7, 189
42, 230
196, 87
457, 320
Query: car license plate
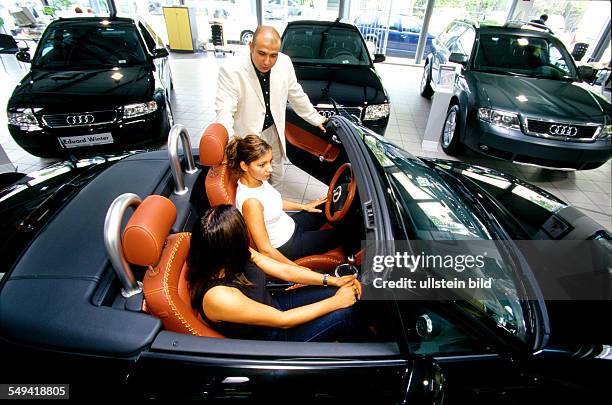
85, 140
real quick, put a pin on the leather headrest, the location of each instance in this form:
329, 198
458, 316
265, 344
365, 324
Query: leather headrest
212, 145
146, 231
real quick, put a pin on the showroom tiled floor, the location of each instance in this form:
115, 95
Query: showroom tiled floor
195, 87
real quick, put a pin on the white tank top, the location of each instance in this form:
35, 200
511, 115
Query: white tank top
279, 225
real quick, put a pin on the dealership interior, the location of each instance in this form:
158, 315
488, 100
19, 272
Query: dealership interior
194, 72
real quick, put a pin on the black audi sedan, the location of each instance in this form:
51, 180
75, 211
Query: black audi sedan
519, 97
333, 65
95, 84
71, 302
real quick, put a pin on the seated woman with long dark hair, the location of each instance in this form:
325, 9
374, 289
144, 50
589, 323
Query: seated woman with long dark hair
276, 234
227, 282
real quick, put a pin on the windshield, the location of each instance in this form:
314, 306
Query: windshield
433, 209
325, 44
89, 47
524, 56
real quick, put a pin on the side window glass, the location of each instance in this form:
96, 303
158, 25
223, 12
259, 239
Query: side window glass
430, 334
443, 37
147, 38
395, 25
466, 41
557, 60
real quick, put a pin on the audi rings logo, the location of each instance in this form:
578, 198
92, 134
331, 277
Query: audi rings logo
337, 193
327, 113
563, 130
81, 119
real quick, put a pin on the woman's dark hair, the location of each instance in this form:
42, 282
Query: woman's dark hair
247, 150
219, 241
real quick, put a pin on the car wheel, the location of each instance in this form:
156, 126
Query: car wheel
426, 89
450, 132
246, 37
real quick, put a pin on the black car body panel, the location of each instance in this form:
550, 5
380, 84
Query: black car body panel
61, 307
540, 103
351, 83
58, 95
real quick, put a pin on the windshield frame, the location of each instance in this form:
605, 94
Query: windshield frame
523, 327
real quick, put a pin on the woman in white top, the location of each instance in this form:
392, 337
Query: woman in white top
275, 233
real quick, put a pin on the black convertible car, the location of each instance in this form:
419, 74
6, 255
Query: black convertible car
73, 310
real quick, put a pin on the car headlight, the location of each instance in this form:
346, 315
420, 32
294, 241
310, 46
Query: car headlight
138, 109
606, 133
377, 111
25, 119
499, 118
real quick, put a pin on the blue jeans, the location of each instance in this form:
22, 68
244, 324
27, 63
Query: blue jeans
327, 328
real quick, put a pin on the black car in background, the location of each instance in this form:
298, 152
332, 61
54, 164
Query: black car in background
519, 97
333, 65
61, 314
96, 84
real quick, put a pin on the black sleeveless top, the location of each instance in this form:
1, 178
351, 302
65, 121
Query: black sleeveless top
256, 292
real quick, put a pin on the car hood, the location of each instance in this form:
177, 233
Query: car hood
53, 90
348, 86
545, 98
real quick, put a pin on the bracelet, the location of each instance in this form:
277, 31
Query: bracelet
325, 277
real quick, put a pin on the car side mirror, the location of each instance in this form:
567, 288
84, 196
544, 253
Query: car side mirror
587, 73
23, 56
160, 53
459, 58
379, 57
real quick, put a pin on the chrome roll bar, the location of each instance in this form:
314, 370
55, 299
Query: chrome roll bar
112, 242
179, 131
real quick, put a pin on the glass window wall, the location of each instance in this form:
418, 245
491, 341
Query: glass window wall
574, 22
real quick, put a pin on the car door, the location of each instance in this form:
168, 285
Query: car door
152, 42
317, 153
180, 366
410, 34
442, 44
394, 39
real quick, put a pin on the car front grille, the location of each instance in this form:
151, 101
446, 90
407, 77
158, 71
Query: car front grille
79, 119
342, 111
559, 130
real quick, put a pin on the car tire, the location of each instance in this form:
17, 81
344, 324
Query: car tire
426, 89
246, 37
450, 136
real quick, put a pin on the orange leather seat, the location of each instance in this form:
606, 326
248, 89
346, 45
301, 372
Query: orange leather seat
146, 242
221, 184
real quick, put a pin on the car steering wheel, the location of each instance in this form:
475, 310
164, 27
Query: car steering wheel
340, 194
344, 52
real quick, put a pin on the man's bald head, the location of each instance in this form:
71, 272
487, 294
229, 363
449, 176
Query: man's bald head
264, 48
266, 33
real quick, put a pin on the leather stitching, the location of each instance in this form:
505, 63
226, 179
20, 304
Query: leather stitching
167, 286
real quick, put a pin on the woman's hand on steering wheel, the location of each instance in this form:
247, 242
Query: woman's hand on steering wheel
312, 206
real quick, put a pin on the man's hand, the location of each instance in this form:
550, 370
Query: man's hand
322, 125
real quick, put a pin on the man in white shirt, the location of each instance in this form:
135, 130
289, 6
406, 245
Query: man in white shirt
252, 95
